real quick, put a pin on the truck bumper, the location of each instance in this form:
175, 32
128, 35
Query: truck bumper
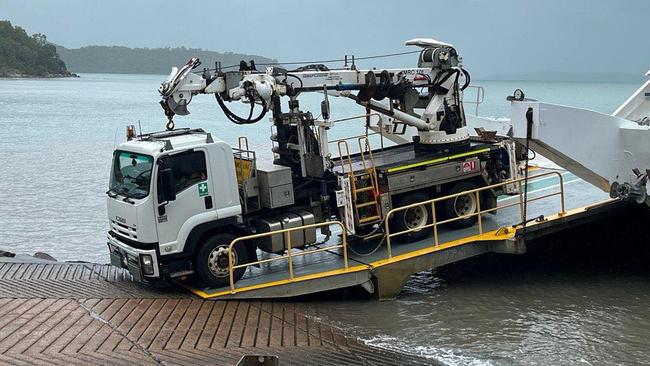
143, 265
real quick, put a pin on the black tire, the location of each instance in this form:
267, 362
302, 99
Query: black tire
410, 218
461, 205
211, 261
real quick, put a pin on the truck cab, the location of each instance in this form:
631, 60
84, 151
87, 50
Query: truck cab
166, 190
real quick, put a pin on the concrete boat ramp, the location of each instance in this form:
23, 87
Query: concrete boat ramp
83, 313
80, 314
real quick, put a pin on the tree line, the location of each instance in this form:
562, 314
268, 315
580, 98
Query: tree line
125, 60
25, 55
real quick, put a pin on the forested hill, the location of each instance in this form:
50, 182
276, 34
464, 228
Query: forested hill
124, 60
22, 55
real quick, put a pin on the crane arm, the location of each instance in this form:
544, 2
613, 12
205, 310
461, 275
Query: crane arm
439, 71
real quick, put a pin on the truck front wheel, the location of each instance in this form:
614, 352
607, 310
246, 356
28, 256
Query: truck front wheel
211, 262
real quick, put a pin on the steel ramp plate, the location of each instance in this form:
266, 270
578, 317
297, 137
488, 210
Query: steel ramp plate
324, 271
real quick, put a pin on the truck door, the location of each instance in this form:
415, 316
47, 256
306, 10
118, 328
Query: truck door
193, 196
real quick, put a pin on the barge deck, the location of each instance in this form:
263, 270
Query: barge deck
556, 200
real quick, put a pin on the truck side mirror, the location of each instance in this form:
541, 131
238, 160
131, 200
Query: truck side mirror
167, 184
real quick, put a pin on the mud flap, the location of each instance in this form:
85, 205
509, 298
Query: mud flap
489, 201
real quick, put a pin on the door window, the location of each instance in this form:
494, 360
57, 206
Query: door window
189, 168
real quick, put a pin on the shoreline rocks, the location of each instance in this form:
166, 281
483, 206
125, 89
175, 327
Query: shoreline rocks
4, 253
19, 75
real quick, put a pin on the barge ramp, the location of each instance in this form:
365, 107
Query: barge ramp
555, 200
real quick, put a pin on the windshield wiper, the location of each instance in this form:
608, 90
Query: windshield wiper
122, 191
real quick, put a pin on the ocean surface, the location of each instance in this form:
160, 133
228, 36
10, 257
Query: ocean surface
57, 136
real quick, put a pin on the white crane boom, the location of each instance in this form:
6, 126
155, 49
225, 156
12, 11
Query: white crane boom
439, 71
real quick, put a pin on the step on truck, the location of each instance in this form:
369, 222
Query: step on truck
178, 198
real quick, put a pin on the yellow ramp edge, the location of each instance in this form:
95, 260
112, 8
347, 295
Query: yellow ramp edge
313, 276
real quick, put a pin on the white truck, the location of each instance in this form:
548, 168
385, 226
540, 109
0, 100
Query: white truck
178, 198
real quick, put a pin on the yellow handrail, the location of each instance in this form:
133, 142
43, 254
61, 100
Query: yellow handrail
434, 223
364, 148
341, 157
289, 256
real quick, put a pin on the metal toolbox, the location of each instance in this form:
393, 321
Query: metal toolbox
275, 186
299, 238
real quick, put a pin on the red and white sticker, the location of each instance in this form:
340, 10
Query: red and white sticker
470, 166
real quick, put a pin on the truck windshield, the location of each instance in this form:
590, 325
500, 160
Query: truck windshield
131, 174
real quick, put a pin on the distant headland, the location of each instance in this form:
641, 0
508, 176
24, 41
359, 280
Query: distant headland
25, 56
22, 55
125, 60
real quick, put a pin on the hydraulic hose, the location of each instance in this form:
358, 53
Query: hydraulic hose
237, 119
529, 128
467, 79
438, 81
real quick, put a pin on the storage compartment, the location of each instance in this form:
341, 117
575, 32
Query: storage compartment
275, 186
279, 196
299, 238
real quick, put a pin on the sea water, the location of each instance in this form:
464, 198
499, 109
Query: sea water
56, 142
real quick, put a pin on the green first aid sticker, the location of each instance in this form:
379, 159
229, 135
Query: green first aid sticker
203, 189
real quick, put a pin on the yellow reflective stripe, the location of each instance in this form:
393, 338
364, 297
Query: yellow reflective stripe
438, 160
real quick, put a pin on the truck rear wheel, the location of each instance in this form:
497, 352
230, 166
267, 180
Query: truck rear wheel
211, 262
412, 218
461, 206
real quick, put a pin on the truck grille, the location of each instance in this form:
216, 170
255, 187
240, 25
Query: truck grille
125, 230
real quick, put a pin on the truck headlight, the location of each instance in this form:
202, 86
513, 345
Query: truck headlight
147, 264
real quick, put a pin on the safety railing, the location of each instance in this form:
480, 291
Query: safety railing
345, 158
367, 116
245, 159
289, 256
345, 139
480, 97
478, 212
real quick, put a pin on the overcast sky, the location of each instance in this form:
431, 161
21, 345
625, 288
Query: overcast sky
494, 37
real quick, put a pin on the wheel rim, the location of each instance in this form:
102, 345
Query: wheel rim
465, 205
416, 217
218, 261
